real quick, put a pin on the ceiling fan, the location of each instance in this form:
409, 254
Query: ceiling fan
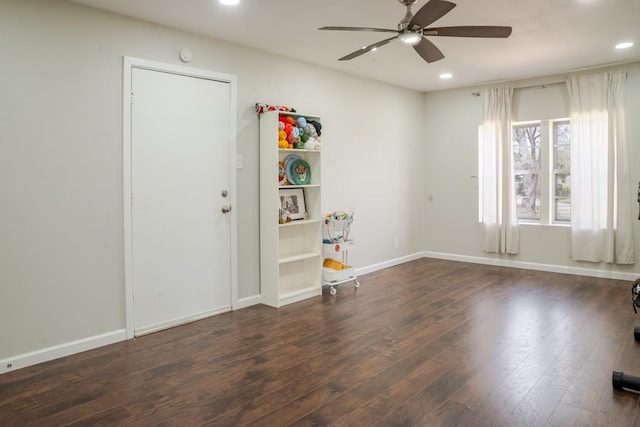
412, 30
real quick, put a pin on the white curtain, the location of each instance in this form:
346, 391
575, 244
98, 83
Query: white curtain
499, 217
600, 196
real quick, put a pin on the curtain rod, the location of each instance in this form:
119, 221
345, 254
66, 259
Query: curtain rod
541, 86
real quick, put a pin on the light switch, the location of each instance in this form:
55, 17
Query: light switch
238, 161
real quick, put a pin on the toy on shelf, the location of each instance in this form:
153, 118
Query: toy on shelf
296, 132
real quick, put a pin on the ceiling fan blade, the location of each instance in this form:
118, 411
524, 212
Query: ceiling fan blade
469, 31
377, 30
431, 12
428, 51
366, 49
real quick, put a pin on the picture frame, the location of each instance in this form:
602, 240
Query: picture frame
292, 200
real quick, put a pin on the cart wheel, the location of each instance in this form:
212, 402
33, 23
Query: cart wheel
333, 291
357, 283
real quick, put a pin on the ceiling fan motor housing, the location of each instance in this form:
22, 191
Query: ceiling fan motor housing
404, 23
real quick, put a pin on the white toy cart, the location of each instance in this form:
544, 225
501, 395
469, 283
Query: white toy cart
335, 250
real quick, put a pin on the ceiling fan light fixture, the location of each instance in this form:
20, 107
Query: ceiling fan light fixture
445, 76
229, 2
410, 38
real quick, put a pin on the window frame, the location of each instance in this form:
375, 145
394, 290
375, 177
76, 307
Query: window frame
547, 171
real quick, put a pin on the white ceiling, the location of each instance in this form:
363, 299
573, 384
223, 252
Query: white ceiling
549, 36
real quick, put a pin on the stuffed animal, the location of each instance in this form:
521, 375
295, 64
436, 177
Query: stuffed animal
282, 139
298, 133
311, 130
313, 138
302, 131
288, 128
316, 125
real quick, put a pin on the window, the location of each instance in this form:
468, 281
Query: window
541, 163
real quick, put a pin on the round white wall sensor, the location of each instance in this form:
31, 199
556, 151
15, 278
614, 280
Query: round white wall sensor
185, 55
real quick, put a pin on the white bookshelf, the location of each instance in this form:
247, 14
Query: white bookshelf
290, 253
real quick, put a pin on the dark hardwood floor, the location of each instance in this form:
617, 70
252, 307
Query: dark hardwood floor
427, 343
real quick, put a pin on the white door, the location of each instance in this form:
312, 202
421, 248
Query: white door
180, 171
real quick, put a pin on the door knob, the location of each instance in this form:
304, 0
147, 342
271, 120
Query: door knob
226, 209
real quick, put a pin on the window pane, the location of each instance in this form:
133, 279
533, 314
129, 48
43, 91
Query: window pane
526, 147
561, 146
528, 196
562, 210
562, 155
526, 159
563, 185
562, 167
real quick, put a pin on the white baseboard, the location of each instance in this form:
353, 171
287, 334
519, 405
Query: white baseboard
389, 263
605, 274
181, 321
46, 354
300, 295
247, 302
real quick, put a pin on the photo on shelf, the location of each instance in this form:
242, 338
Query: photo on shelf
292, 201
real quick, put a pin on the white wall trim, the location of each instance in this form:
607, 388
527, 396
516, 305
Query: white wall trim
390, 263
62, 350
605, 274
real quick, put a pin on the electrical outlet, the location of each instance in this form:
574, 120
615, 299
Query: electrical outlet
396, 243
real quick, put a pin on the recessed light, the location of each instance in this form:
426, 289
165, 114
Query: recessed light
229, 2
624, 45
445, 76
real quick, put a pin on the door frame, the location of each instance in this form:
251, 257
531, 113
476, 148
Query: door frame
128, 64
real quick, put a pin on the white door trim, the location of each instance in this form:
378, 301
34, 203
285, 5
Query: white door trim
127, 65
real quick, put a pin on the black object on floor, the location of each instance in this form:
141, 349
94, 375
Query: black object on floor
622, 381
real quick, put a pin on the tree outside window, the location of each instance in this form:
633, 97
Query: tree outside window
526, 165
561, 171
